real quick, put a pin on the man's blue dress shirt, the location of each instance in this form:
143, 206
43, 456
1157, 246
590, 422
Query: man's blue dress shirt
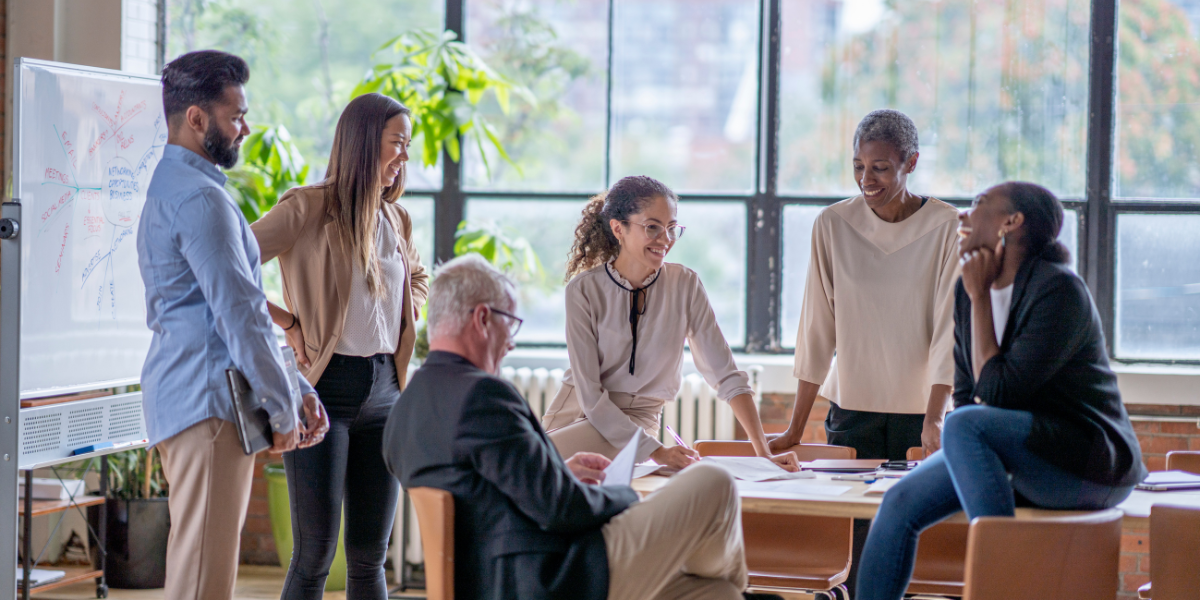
204, 302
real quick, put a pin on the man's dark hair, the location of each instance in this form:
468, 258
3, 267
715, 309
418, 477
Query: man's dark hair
199, 79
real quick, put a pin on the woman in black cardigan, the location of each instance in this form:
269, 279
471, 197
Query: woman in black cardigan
1037, 410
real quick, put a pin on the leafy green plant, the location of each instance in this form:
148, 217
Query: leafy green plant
502, 247
271, 165
442, 81
135, 474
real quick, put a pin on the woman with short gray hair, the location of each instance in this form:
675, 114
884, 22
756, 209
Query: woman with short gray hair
880, 296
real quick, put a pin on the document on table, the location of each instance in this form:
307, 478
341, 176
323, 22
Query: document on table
647, 469
754, 468
792, 486
620, 471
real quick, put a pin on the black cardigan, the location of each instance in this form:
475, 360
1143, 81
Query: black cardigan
1053, 363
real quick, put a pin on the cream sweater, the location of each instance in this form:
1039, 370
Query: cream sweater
880, 295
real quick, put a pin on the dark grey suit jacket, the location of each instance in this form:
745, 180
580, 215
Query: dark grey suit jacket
1053, 363
524, 526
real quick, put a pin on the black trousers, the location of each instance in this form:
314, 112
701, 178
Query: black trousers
872, 435
358, 393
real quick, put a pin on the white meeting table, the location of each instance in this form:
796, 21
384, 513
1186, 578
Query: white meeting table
854, 504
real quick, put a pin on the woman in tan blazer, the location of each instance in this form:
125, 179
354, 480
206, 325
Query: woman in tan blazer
353, 284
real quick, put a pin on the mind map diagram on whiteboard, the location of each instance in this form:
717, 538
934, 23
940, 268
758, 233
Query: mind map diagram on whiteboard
110, 207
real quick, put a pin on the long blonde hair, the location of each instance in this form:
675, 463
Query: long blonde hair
352, 194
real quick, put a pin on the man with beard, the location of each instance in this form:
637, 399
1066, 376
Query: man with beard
207, 311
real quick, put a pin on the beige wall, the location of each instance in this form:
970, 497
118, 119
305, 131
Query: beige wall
85, 32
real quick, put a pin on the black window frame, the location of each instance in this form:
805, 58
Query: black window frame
1097, 210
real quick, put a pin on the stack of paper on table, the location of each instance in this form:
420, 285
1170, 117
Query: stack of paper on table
754, 468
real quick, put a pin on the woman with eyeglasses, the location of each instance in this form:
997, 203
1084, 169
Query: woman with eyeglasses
629, 313
353, 284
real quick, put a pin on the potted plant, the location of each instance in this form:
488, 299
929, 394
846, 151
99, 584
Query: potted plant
138, 521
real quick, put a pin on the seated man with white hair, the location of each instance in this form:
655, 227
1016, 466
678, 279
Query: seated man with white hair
528, 524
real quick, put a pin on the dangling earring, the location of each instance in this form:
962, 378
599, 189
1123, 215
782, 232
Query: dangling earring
1002, 234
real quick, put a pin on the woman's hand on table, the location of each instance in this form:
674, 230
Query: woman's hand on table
782, 442
588, 467
786, 461
675, 457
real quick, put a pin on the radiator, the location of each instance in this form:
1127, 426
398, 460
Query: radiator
696, 414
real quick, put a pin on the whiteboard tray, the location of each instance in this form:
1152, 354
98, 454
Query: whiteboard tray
50, 433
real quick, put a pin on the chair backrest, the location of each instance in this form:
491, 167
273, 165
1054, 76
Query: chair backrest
915, 453
1184, 460
804, 452
435, 515
1174, 546
1070, 557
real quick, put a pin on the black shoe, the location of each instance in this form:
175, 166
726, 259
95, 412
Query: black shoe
749, 596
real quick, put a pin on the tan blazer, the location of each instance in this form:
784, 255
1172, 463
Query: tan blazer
316, 271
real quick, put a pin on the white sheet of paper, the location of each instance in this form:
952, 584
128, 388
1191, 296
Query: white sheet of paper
881, 486
792, 487
645, 469
620, 470
755, 468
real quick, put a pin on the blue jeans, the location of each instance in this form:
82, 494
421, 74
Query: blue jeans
982, 447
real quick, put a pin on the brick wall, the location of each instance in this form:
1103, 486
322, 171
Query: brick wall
1160, 429
258, 545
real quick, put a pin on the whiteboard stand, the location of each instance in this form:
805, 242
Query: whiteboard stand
10, 398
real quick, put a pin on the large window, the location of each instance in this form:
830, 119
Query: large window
747, 108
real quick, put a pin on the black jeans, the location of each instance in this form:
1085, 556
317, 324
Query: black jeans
872, 435
358, 393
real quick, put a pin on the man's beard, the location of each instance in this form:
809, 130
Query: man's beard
221, 149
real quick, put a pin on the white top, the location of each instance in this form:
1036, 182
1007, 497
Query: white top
372, 325
599, 342
880, 295
1001, 304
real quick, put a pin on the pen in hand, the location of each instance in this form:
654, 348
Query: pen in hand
678, 440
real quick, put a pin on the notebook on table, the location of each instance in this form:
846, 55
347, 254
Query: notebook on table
1165, 481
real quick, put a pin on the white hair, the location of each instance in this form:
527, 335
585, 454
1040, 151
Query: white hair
459, 286
890, 127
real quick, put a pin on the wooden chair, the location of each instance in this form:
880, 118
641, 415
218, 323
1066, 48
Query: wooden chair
1174, 545
435, 515
1179, 460
1184, 460
941, 555
1069, 557
788, 553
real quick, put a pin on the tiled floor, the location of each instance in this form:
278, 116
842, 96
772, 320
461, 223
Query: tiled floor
254, 583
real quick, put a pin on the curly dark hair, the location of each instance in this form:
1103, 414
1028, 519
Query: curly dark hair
595, 243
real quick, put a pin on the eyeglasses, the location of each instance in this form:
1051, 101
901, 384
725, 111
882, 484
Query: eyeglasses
514, 321
654, 231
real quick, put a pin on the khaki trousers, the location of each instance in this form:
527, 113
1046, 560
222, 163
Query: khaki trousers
210, 479
683, 542
571, 432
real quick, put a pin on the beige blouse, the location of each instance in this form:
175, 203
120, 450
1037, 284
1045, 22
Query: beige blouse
880, 295
599, 342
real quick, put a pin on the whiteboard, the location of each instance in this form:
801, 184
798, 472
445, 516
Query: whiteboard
87, 141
